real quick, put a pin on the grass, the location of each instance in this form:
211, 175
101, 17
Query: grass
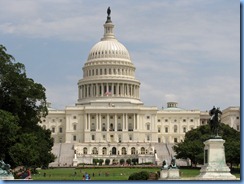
100, 173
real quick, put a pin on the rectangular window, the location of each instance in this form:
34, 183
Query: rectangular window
159, 130
74, 138
175, 140
53, 129
237, 127
60, 130
184, 129
93, 137
166, 129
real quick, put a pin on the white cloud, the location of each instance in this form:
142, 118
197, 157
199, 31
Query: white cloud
187, 50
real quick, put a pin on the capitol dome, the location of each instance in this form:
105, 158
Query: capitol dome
108, 73
109, 48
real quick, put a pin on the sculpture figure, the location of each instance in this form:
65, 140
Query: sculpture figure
4, 169
214, 121
173, 163
164, 165
108, 11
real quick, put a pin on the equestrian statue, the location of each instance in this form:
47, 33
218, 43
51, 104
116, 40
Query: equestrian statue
214, 121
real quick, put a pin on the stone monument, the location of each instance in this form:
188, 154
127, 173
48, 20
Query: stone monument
5, 173
215, 167
170, 172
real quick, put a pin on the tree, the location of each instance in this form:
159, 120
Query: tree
25, 100
8, 131
192, 147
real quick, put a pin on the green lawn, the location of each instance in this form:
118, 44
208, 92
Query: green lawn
100, 173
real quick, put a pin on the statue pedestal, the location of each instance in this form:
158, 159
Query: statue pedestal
169, 174
215, 167
9, 177
174, 174
164, 174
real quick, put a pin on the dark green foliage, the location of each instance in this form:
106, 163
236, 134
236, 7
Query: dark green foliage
128, 161
25, 101
143, 175
8, 131
101, 161
134, 161
107, 161
95, 161
122, 161
193, 146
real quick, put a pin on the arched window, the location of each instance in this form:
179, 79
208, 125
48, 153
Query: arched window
175, 128
94, 151
84, 151
143, 150
133, 150
123, 151
104, 151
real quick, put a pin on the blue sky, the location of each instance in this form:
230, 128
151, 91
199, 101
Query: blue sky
184, 50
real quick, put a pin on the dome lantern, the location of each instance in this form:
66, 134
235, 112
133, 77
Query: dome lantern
108, 27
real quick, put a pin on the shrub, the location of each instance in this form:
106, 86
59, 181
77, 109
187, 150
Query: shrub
143, 175
101, 161
107, 161
95, 161
128, 161
122, 161
134, 161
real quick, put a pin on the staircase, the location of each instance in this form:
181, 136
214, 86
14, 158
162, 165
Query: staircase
166, 152
64, 153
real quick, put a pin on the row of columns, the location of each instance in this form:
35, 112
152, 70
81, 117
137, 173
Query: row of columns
108, 71
124, 123
108, 89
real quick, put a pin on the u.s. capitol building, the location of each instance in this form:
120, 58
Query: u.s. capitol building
109, 121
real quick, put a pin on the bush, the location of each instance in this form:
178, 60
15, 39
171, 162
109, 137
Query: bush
107, 161
101, 161
95, 161
128, 161
143, 175
122, 161
134, 161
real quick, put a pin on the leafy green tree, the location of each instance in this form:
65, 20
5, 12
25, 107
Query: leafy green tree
8, 131
25, 100
192, 147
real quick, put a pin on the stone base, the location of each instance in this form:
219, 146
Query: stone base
6, 177
215, 167
75, 162
169, 174
174, 174
164, 174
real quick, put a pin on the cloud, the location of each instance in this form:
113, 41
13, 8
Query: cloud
184, 50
